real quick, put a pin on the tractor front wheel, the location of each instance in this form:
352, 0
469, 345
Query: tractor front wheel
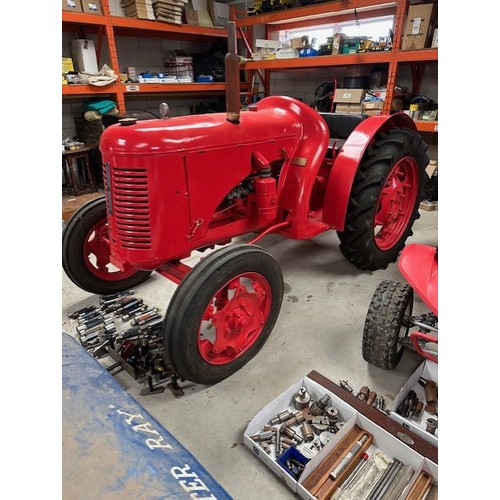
222, 313
384, 200
384, 325
86, 253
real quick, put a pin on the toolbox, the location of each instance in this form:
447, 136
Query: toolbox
372, 429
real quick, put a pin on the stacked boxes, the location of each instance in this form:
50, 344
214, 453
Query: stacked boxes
140, 9
181, 67
170, 11
372, 108
349, 100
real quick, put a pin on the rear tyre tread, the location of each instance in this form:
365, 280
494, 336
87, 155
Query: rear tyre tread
357, 241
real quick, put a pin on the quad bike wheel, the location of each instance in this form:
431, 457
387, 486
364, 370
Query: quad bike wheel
384, 325
222, 313
384, 199
86, 253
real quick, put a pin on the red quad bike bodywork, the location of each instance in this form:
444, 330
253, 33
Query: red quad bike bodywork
418, 264
390, 324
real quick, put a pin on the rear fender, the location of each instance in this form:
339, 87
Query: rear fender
346, 164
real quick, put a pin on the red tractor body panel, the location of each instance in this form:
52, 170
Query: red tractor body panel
346, 163
166, 180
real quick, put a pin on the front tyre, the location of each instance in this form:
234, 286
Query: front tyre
385, 326
222, 313
384, 200
86, 253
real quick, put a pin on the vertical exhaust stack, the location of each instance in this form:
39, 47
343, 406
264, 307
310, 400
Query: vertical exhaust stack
232, 71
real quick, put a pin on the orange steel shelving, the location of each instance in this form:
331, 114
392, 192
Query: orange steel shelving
108, 27
338, 11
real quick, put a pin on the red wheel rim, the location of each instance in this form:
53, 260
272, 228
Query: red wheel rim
96, 255
396, 203
234, 318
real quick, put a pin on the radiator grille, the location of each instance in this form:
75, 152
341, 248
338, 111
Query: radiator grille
128, 201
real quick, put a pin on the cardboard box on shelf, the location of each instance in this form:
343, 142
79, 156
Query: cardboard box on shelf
169, 10
370, 105
419, 26
91, 7
337, 41
296, 43
139, 9
219, 12
72, 6
350, 96
349, 108
201, 15
266, 49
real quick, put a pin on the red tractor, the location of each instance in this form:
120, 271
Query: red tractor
178, 185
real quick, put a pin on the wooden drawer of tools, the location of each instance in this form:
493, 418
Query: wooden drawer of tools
325, 443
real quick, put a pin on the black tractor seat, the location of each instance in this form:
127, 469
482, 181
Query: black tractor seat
340, 126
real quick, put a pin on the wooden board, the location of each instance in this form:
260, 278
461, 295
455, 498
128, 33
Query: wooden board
70, 203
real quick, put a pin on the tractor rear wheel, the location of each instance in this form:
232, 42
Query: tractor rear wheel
384, 325
384, 200
86, 253
222, 313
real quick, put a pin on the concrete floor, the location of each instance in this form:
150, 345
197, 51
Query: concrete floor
319, 328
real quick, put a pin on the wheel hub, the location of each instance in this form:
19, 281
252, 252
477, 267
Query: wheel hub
96, 255
396, 203
235, 320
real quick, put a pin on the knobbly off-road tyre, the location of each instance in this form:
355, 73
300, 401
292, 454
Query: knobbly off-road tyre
384, 324
212, 295
84, 237
385, 199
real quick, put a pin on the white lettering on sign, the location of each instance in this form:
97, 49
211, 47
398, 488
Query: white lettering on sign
193, 484
145, 427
